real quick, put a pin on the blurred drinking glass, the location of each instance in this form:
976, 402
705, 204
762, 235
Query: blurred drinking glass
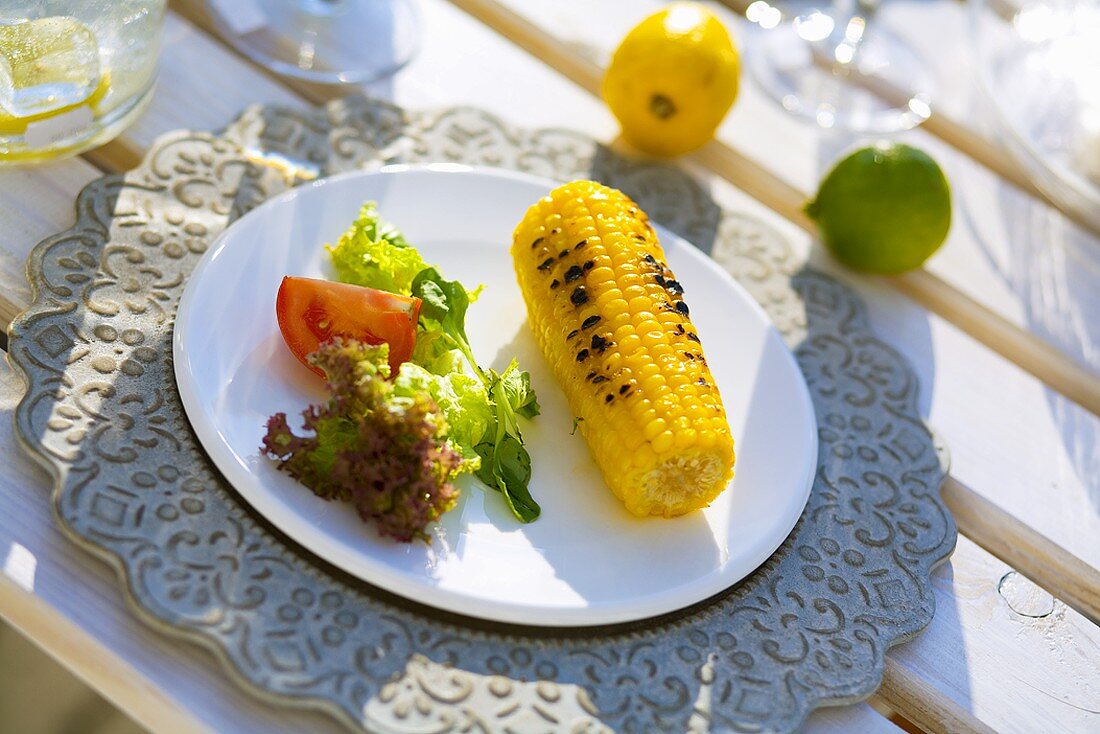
73, 73
836, 66
325, 41
1039, 66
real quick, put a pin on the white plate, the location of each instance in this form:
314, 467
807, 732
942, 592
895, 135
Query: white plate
586, 560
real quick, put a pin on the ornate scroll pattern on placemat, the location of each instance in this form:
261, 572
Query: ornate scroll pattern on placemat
132, 484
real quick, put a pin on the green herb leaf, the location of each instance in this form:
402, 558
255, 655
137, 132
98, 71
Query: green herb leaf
506, 467
444, 302
516, 384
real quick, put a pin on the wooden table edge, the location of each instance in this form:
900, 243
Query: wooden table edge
93, 663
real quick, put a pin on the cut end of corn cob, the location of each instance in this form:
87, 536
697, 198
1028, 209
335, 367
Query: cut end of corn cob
610, 318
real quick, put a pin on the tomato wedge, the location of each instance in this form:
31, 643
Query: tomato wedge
312, 311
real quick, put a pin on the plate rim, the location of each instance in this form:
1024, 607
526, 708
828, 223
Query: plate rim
382, 574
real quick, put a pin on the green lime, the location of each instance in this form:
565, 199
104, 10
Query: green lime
883, 209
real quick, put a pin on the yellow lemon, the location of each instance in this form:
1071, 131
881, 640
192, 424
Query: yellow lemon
672, 80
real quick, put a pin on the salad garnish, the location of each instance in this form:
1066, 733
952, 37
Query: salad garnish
373, 253
393, 435
372, 444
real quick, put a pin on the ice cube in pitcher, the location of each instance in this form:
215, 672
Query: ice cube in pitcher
46, 64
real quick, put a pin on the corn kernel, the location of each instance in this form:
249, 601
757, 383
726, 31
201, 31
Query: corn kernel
630, 343
654, 427
664, 442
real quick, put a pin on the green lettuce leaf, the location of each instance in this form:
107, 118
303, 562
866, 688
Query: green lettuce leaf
374, 254
463, 400
516, 386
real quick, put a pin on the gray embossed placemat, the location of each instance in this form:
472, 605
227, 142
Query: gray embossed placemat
809, 628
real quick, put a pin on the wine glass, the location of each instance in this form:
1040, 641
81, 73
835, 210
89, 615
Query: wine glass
838, 68
325, 41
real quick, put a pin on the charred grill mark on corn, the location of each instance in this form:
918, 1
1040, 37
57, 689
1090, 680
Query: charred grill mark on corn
649, 408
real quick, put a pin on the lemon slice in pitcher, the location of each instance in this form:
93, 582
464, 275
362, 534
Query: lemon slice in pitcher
47, 67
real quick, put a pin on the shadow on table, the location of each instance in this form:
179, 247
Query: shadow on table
1052, 266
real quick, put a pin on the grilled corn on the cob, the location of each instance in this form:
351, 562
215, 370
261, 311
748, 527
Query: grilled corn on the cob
610, 318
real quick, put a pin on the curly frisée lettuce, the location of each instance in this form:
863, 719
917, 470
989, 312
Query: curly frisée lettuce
480, 406
380, 447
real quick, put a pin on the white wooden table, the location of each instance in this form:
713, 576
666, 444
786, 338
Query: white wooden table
1002, 326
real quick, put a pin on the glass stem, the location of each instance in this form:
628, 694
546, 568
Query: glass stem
851, 23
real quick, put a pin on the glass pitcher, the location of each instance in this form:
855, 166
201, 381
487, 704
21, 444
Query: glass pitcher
73, 73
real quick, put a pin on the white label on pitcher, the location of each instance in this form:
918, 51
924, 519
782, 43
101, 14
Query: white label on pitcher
46, 132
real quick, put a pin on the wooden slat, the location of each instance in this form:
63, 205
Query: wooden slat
223, 64
1060, 572
1028, 351
1022, 347
1000, 650
92, 662
34, 201
926, 706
